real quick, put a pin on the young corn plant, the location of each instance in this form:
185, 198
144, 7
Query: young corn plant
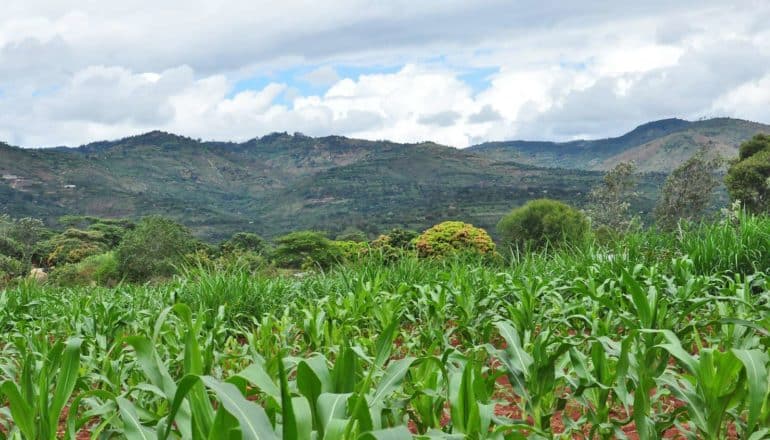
39, 394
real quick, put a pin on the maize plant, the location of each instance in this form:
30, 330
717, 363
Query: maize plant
626, 341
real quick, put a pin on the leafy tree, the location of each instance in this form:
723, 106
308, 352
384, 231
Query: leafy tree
609, 203
21, 236
71, 246
153, 249
305, 249
244, 242
688, 190
543, 222
748, 178
453, 237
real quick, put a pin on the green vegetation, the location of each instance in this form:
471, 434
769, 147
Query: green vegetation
652, 334
153, 249
688, 190
748, 178
543, 223
282, 183
453, 238
117, 329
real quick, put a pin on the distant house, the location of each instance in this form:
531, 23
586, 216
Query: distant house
70, 186
10, 177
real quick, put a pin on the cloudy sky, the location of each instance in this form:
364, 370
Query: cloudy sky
455, 72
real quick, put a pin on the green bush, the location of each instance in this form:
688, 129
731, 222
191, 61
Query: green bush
453, 238
351, 250
10, 248
305, 249
99, 269
748, 178
395, 244
153, 249
543, 223
244, 242
12, 267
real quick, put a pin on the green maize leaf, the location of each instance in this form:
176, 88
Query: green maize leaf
393, 377
21, 411
335, 429
397, 433
332, 407
133, 429
297, 420
313, 379
257, 375
344, 370
254, 422
384, 344
755, 363
67, 378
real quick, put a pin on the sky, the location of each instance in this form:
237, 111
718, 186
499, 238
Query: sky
449, 71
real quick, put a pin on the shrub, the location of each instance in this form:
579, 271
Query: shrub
748, 178
10, 248
395, 244
351, 250
305, 249
244, 242
153, 249
452, 238
12, 267
541, 223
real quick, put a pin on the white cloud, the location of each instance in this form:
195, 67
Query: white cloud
72, 72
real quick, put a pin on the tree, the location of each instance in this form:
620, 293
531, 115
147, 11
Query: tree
452, 238
153, 249
305, 249
543, 222
748, 178
609, 203
244, 242
688, 190
24, 234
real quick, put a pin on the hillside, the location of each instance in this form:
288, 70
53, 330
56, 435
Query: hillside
282, 182
658, 146
277, 183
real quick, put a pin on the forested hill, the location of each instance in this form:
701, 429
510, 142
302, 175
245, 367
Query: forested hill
282, 182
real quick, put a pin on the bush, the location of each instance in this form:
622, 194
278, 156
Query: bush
244, 242
395, 244
351, 250
99, 269
304, 250
453, 238
12, 267
543, 223
748, 178
153, 249
10, 248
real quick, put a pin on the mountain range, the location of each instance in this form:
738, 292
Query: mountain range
283, 182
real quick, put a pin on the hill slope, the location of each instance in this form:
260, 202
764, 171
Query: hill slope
275, 184
658, 146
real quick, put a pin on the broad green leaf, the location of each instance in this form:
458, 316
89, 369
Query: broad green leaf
133, 429
755, 363
397, 433
254, 422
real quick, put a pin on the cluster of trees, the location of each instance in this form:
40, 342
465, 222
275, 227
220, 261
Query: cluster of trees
105, 251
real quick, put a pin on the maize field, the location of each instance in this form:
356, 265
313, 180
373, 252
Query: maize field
647, 339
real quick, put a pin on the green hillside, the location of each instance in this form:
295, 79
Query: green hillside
278, 183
